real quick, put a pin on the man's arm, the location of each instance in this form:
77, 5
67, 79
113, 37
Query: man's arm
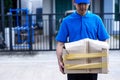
59, 52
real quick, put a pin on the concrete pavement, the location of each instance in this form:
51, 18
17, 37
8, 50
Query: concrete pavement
43, 66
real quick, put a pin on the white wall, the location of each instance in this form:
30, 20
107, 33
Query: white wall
46, 6
36, 4
109, 8
32, 5
24, 3
47, 9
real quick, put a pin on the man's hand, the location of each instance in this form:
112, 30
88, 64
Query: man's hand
61, 66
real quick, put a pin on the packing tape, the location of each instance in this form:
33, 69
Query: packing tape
86, 66
74, 56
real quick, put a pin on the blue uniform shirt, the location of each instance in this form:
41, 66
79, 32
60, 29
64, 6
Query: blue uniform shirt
76, 27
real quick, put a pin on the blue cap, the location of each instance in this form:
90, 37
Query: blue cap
82, 1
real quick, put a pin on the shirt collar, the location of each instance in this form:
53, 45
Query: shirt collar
86, 15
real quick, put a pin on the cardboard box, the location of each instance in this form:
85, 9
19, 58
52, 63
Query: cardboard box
86, 56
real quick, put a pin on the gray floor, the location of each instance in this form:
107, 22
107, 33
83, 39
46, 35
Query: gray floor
43, 66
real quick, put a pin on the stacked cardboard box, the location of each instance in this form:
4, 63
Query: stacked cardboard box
86, 56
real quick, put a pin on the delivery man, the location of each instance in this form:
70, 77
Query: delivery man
79, 25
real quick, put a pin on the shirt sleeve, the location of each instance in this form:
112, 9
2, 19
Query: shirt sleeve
62, 33
102, 32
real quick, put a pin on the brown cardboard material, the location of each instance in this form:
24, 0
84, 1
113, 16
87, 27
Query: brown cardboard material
86, 46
